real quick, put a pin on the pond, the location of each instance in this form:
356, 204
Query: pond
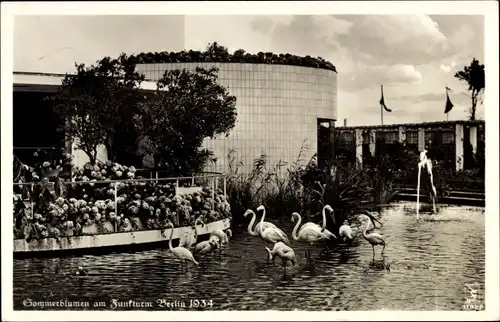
426, 266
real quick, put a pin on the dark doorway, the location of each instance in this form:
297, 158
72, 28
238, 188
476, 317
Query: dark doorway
34, 126
326, 142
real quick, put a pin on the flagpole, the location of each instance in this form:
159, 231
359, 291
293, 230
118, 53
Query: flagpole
447, 100
381, 114
381, 107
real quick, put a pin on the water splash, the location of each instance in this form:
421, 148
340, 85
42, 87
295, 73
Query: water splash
426, 163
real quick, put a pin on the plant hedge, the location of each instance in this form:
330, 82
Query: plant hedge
219, 54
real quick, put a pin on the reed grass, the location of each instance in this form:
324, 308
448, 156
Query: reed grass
302, 186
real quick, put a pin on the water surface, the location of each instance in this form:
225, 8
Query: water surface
426, 266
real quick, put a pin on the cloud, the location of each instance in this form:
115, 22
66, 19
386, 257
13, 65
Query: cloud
303, 34
396, 39
380, 75
447, 68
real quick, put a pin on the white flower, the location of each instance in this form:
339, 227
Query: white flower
118, 173
46, 164
132, 169
60, 201
95, 210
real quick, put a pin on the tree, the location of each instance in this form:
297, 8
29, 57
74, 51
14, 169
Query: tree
97, 105
473, 75
187, 107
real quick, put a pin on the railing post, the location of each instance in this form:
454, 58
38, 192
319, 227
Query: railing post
225, 183
459, 147
116, 202
177, 183
192, 181
156, 176
31, 201
213, 193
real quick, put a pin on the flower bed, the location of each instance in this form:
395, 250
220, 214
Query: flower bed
87, 205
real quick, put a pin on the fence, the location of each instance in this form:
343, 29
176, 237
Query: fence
458, 144
140, 190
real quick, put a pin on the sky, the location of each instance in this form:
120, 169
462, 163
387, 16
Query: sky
413, 56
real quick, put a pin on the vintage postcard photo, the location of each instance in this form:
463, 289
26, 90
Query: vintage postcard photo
250, 161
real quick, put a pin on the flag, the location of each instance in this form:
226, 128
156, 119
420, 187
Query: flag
382, 101
449, 104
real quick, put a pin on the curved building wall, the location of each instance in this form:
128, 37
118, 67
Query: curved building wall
278, 107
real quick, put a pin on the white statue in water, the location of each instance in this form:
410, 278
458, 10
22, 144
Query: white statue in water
425, 163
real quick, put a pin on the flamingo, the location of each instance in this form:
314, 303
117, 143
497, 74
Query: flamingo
271, 235
188, 240
180, 252
207, 246
345, 231
256, 230
309, 233
223, 236
284, 252
323, 226
373, 238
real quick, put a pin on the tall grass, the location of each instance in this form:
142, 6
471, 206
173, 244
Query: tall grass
278, 186
300, 186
